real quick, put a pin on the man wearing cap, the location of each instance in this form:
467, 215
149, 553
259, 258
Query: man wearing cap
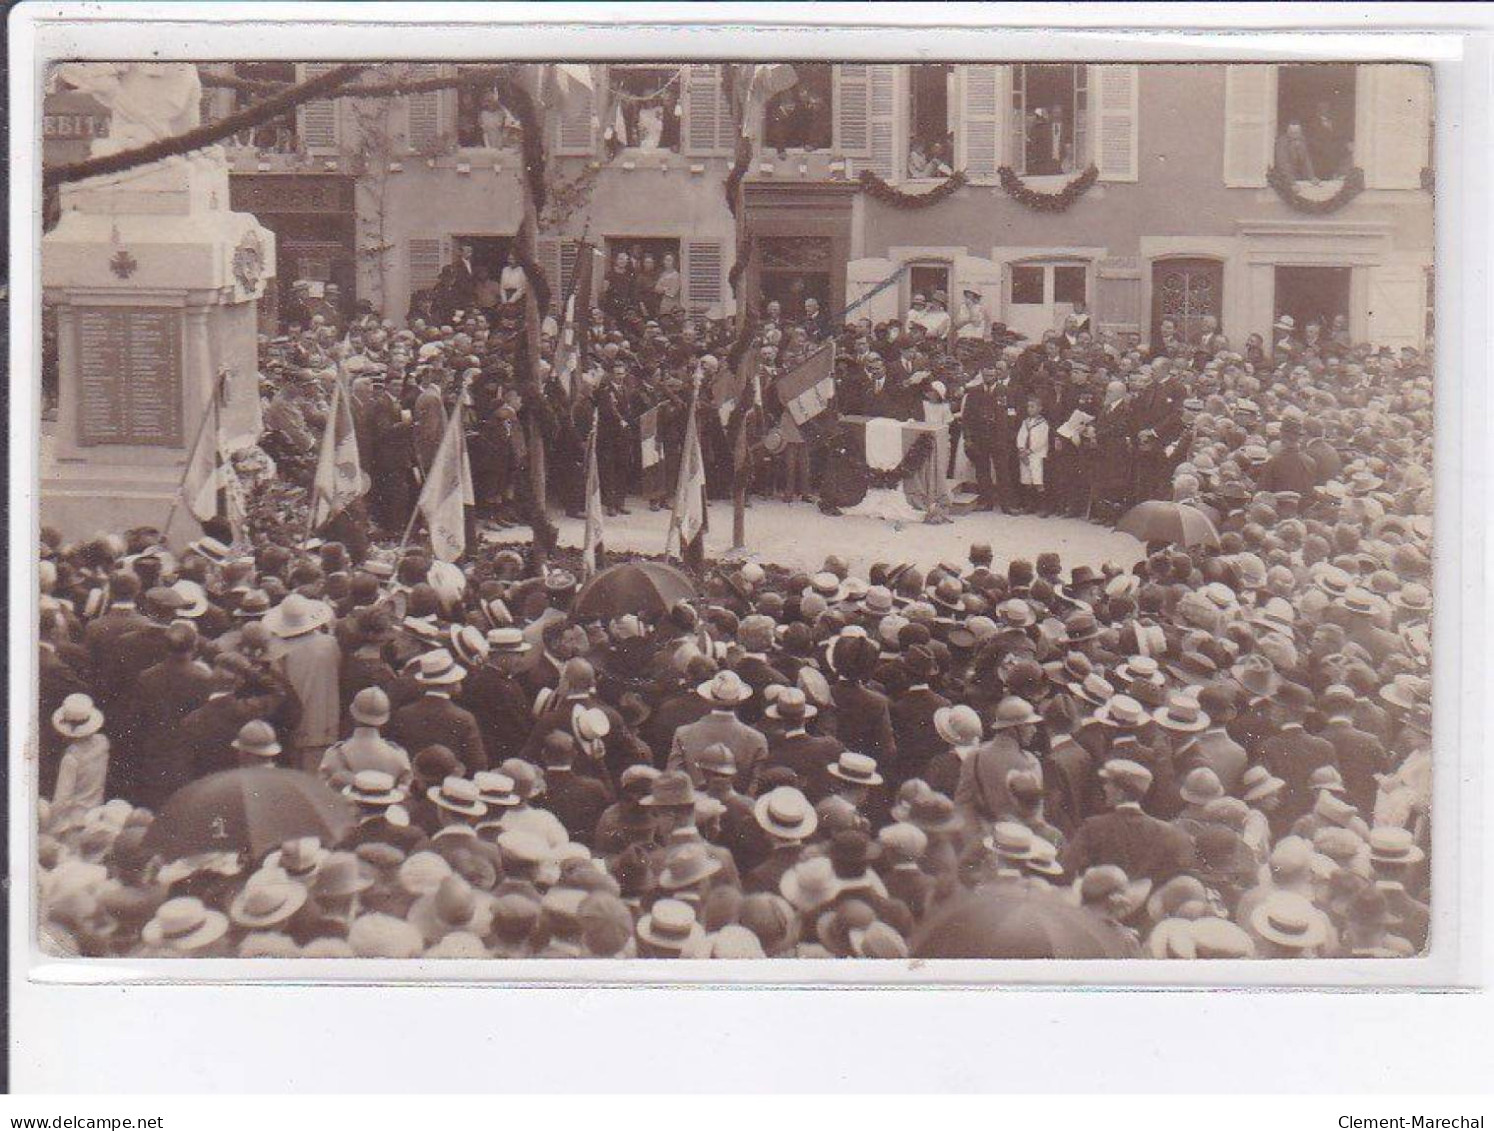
807, 756
1135, 841
434, 719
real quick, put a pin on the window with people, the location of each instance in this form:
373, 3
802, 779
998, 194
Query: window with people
643, 279
802, 117
1050, 117
930, 137
1315, 121
648, 105
482, 121
278, 135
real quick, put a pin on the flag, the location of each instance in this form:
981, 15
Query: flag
807, 391
448, 486
593, 538
212, 487
340, 478
575, 337
688, 518
651, 453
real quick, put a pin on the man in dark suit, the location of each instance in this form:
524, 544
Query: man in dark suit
809, 756
463, 280
982, 424
497, 699
57, 679
863, 719
678, 709
102, 635
755, 634
1292, 754
912, 715
1360, 754
1290, 469
1138, 843
434, 719
576, 800
170, 691
202, 743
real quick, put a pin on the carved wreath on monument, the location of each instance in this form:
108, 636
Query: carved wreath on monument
249, 261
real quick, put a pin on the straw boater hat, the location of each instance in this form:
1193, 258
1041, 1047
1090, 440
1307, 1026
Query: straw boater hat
296, 616
265, 903
786, 813
299, 858
857, 769
373, 787
438, 669
495, 789
958, 725
1182, 713
507, 639
1390, 844
77, 717
791, 705
1259, 783
185, 924
1290, 920
670, 925
1122, 712
458, 795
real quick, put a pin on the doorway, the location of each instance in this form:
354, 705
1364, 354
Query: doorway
1312, 294
488, 252
1183, 292
1041, 296
790, 270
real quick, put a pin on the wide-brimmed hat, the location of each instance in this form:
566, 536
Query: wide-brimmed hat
725, 689
458, 795
810, 884
1014, 711
933, 812
1257, 675
857, 769
1094, 688
877, 601
791, 705
297, 615
469, 643
253, 604
211, 548
1390, 844
672, 789
256, 737
438, 669
264, 903
1200, 786
1182, 713
1258, 783
299, 858
1290, 920
958, 725
77, 717
194, 598
1140, 669
1123, 771
507, 639
1122, 712
373, 787
785, 813
184, 924
686, 866
496, 789
670, 925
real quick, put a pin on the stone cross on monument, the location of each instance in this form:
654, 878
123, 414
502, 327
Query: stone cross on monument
155, 284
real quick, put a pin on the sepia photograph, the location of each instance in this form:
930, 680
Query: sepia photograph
732, 508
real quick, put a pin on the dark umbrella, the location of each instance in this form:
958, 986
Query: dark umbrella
1178, 523
251, 810
1006, 919
644, 588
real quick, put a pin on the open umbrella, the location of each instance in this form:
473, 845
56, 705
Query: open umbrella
1179, 523
251, 810
1004, 919
644, 588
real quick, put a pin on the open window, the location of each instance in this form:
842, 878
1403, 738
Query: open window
1315, 120
802, 117
1042, 294
930, 134
1050, 118
648, 103
482, 122
279, 134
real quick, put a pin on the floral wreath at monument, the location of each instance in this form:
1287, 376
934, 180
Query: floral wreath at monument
1286, 188
884, 193
1060, 201
918, 452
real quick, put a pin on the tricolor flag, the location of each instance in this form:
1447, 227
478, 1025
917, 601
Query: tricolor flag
807, 391
447, 491
688, 518
340, 478
592, 542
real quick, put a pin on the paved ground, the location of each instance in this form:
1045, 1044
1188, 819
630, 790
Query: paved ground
798, 535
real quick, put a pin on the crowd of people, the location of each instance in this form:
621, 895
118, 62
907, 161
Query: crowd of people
1221, 751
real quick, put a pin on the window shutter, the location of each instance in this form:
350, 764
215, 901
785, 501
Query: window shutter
425, 263
1399, 141
883, 102
703, 274
316, 122
706, 127
424, 110
575, 130
1114, 89
862, 277
979, 142
853, 109
1249, 114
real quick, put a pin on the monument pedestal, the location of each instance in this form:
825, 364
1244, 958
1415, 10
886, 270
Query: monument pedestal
154, 282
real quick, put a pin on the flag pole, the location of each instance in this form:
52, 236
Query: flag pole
181, 486
331, 427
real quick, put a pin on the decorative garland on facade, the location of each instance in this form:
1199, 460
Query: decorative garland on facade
738, 171
1060, 201
517, 100
884, 193
1286, 188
